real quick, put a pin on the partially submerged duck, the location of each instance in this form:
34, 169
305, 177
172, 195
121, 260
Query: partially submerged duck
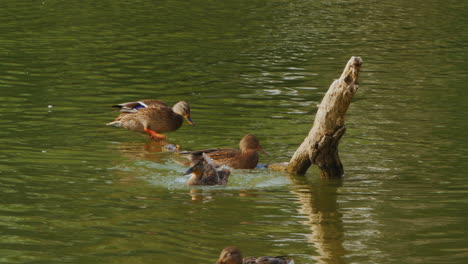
152, 117
246, 157
233, 255
206, 172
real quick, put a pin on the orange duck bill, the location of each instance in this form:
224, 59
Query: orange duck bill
189, 120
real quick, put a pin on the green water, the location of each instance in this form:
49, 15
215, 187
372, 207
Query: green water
75, 191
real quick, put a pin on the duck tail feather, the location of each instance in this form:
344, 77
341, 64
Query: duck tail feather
115, 123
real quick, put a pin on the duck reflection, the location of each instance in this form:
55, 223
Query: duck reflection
153, 151
319, 203
149, 151
201, 194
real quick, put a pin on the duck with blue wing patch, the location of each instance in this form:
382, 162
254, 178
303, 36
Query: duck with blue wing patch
152, 117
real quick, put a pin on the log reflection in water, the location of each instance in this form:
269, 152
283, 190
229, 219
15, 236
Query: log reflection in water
319, 204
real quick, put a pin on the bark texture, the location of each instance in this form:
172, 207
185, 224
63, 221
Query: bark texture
320, 147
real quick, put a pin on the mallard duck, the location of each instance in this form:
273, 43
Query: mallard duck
206, 172
152, 117
233, 255
246, 157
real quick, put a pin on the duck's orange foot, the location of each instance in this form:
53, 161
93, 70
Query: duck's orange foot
155, 135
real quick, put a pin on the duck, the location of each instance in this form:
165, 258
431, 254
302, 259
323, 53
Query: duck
206, 172
246, 157
152, 117
233, 255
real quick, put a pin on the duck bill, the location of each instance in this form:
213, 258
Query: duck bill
189, 120
190, 171
260, 149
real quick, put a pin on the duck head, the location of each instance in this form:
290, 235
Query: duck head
196, 170
230, 255
206, 169
251, 142
183, 108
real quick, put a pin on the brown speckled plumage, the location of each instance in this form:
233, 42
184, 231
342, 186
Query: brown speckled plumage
233, 255
152, 115
206, 172
246, 157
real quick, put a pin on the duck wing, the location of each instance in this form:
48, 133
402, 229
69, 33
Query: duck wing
224, 173
199, 152
133, 107
218, 155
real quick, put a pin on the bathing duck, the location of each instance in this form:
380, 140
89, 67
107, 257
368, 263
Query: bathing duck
206, 172
246, 157
233, 255
152, 117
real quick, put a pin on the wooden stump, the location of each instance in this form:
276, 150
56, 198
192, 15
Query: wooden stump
320, 147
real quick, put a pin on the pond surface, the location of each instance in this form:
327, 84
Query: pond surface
73, 190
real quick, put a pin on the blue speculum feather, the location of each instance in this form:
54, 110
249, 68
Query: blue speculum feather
139, 107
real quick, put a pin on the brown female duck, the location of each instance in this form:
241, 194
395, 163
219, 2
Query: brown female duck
233, 255
246, 157
152, 117
206, 172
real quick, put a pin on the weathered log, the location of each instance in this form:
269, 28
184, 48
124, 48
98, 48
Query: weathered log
320, 147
